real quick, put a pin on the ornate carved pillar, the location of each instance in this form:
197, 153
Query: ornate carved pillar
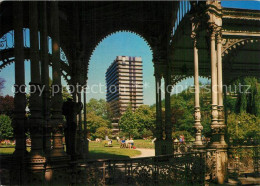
159, 130
168, 124
215, 22
214, 88
197, 115
160, 147
36, 123
221, 119
45, 78
79, 136
56, 101
85, 147
19, 99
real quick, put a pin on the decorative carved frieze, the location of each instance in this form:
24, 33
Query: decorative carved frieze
229, 44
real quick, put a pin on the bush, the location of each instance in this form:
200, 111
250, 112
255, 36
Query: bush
6, 129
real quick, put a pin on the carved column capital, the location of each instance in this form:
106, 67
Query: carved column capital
219, 36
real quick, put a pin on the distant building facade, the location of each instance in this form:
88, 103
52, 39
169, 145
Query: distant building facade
124, 85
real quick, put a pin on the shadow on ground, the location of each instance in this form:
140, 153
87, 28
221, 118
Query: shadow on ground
96, 154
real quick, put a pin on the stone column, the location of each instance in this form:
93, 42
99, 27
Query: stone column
168, 123
56, 101
214, 89
222, 158
221, 119
159, 127
45, 78
79, 128
36, 124
18, 166
19, 99
159, 130
197, 115
85, 147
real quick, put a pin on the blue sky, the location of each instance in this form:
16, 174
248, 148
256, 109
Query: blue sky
121, 43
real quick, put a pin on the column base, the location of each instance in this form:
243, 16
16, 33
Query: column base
221, 166
36, 161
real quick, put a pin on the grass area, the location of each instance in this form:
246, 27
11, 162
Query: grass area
9, 150
146, 144
139, 143
98, 151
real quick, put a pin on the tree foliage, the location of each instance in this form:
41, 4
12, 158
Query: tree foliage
243, 126
7, 105
128, 122
6, 129
248, 94
102, 132
94, 122
138, 124
100, 108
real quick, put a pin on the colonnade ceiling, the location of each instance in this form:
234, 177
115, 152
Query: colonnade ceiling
83, 25
240, 45
151, 20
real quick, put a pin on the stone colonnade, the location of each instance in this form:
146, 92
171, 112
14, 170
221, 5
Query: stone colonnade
45, 121
164, 143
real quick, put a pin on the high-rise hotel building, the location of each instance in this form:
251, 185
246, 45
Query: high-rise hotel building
124, 80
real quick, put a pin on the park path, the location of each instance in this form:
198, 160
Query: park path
145, 153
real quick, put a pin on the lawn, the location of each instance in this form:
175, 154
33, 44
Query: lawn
98, 151
138, 143
9, 150
146, 144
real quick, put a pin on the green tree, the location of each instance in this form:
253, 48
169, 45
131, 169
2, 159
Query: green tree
94, 122
248, 95
100, 108
243, 126
6, 129
128, 122
7, 105
102, 132
145, 117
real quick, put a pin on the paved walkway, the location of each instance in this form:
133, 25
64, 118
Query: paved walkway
145, 153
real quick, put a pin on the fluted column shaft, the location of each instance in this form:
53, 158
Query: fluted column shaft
79, 129
85, 148
56, 102
159, 130
221, 118
80, 116
19, 99
35, 84
214, 90
168, 124
197, 115
45, 77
